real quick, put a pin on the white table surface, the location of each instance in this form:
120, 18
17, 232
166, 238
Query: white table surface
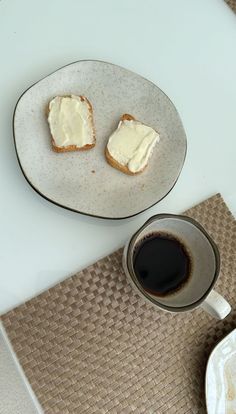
186, 47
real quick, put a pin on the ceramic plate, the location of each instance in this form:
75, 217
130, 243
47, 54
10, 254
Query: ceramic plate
221, 377
83, 181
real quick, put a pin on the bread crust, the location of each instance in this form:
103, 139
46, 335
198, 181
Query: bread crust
74, 147
71, 147
118, 166
114, 163
127, 117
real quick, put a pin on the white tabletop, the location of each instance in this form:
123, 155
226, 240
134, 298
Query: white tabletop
186, 47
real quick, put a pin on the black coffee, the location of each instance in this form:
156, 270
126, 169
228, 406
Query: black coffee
161, 264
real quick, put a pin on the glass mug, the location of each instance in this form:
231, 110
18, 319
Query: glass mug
205, 259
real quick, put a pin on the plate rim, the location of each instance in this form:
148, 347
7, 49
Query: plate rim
70, 208
213, 351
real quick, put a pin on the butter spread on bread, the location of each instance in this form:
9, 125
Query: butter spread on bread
131, 145
71, 123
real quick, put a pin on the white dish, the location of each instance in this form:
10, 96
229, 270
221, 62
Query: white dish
221, 377
83, 181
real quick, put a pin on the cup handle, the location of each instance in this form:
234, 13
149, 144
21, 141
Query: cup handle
216, 305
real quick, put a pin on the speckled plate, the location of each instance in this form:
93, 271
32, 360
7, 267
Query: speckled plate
83, 181
221, 377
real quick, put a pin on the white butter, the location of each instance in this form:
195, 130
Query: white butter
70, 121
132, 143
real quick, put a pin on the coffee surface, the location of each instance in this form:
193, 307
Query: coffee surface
161, 263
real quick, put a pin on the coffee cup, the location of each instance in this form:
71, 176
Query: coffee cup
173, 263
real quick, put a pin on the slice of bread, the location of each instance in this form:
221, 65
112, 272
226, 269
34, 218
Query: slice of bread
130, 146
70, 119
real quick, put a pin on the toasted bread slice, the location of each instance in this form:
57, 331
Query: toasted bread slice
130, 146
71, 123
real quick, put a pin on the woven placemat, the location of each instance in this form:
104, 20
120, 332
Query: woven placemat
232, 4
91, 345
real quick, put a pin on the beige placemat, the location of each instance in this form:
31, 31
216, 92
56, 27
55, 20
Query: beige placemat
232, 4
91, 345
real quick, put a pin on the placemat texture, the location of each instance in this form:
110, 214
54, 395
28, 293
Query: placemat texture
92, 345
232, 4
